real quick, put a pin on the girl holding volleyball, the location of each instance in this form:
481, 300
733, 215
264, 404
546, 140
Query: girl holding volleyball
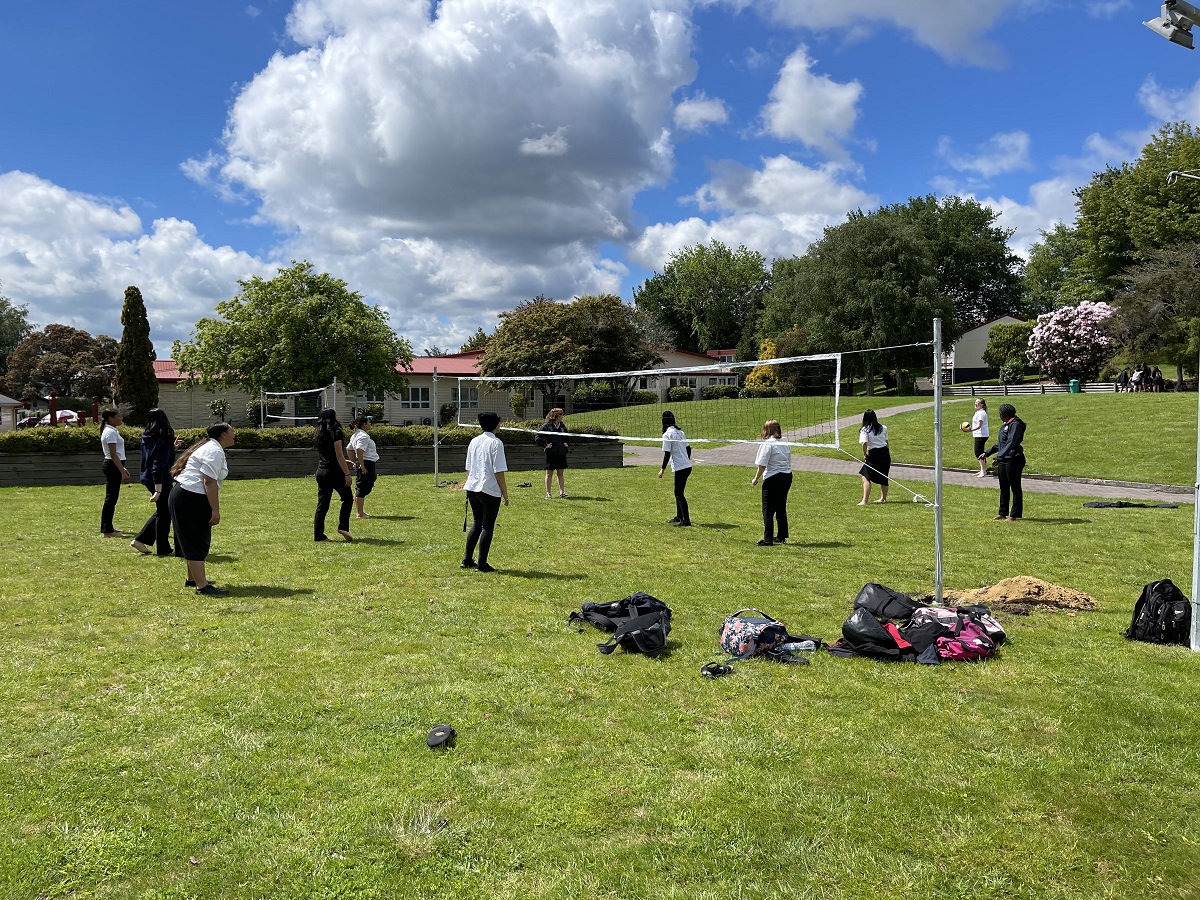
979, 428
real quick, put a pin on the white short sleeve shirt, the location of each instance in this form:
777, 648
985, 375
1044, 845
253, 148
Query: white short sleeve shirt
675, 443
361, 440
774, 456
979, 423
873, 441
485, 457
208, 459
110, 435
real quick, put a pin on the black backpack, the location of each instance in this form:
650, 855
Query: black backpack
639, 623
1162, 615
865, 635
884, 603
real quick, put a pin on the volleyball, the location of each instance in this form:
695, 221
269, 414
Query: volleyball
965, 426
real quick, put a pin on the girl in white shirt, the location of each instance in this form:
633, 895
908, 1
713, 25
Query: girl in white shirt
874, 441
678, 452
979, 428
774, 463
195, 502
115, 473
364, 456
486, 489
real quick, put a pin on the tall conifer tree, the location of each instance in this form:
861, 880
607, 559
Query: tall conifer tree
136, 385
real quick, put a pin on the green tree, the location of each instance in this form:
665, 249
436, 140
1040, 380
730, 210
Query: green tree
136, 385
14, 328
972, 261
1008, 344
706, 296
63, 359
477, 341
1056, 274
1158, 313
435, 350
868, 283
300, 329
1124, 212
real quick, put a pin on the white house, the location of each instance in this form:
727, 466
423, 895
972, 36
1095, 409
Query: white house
10, 411
965, 362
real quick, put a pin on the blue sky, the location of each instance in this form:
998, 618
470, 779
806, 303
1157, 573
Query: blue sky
451, 161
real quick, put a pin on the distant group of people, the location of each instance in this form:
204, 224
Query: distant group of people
1141, 379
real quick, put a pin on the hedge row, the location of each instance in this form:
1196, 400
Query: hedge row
87, 437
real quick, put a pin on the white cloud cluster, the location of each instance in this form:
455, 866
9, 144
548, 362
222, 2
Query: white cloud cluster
811, 108
1001, 153
700, 112
70, 256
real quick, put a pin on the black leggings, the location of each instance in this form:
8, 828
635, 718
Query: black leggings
774, 505
484, 509
112, 491
328, 481
1009, 472
681, 506
157, 530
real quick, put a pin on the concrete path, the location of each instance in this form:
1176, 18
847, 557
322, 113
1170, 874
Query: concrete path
743, 455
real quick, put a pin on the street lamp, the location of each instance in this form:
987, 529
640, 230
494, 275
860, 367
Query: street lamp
1175, 22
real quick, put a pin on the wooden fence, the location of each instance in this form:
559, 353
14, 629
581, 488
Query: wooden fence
51, 469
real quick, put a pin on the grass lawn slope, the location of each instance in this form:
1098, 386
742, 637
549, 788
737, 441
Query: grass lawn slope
157, 745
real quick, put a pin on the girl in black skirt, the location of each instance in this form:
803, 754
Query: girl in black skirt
551, 437
874, 441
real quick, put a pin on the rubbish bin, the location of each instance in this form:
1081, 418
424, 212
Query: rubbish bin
1074, 386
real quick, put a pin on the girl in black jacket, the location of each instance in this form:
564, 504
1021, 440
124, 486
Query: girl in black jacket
158, 454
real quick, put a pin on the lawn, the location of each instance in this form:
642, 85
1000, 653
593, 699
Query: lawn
271, 744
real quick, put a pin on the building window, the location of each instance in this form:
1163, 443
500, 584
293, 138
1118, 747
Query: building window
723, 379
465, 398
648, 384
683, 382
369, 395
415, 398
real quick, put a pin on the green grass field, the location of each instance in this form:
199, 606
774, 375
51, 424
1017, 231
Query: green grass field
271, 744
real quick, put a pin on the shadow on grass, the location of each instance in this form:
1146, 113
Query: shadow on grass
379, 542
816, 545
1058, 521
221, 558
388, 518
717, 526
529, 573
266, 591
574, 497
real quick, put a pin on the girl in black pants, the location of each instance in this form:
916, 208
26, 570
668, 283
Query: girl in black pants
333, 474
158, 454
774, 467
678, 452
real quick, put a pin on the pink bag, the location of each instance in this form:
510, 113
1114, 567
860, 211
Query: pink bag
970, 643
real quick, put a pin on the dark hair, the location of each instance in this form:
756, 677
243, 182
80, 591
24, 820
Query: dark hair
668, 418
489, 420
871, 422
159, 426
328, 427
361, 420
1007, 411
212, 433
107, 413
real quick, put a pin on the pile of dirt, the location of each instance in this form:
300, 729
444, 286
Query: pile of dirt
1020, 593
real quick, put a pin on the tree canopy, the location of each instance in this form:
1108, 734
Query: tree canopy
1159, 311
477, 341
63, 359
136, 383
706, 296
14, 328
300, 329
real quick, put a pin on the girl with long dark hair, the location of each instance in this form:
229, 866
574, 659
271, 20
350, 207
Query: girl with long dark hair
158, 455
873, 439
678, 452
333, 474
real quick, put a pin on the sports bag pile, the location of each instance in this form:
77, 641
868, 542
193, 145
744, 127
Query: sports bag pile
1162, 615
638, 624
886, 624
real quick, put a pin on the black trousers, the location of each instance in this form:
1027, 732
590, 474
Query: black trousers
157, 530
1009, 473
681, 506
484, 509
328, 481
112, 491
774, 505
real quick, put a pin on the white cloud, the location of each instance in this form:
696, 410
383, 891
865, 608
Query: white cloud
699, 112
1170, 104
811, 108
1002, 152
70, 256
554, 144
777, 210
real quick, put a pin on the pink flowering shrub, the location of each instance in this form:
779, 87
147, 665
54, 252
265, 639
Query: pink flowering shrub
1072, 341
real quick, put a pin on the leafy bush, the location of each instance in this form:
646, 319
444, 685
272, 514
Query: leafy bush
373, 410
594, 395
1073, 341
1012, 372
273, 406
447, 413
681, 394
219, 408
758, 393
641, 398
719, 392
518, 402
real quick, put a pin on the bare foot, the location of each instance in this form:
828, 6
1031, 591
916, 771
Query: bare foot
862, 502
362, 516
345, 535
114, 534
881, 501
140, 547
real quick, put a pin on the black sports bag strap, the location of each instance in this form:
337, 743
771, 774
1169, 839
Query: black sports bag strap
759, 611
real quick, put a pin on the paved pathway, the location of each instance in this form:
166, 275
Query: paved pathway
743, 455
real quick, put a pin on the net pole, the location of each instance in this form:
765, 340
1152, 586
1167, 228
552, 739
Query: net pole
436, 418
1195, 636
262, 410
937, 461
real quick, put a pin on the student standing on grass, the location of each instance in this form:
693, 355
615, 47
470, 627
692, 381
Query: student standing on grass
774, 463
678, 452
551, 438
485, 489
877, 458
1010, 461
979, 428
195, 502
333, 474
158, 454
115, 473
364, 456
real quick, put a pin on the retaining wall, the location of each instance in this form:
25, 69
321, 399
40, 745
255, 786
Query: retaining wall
51, 469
